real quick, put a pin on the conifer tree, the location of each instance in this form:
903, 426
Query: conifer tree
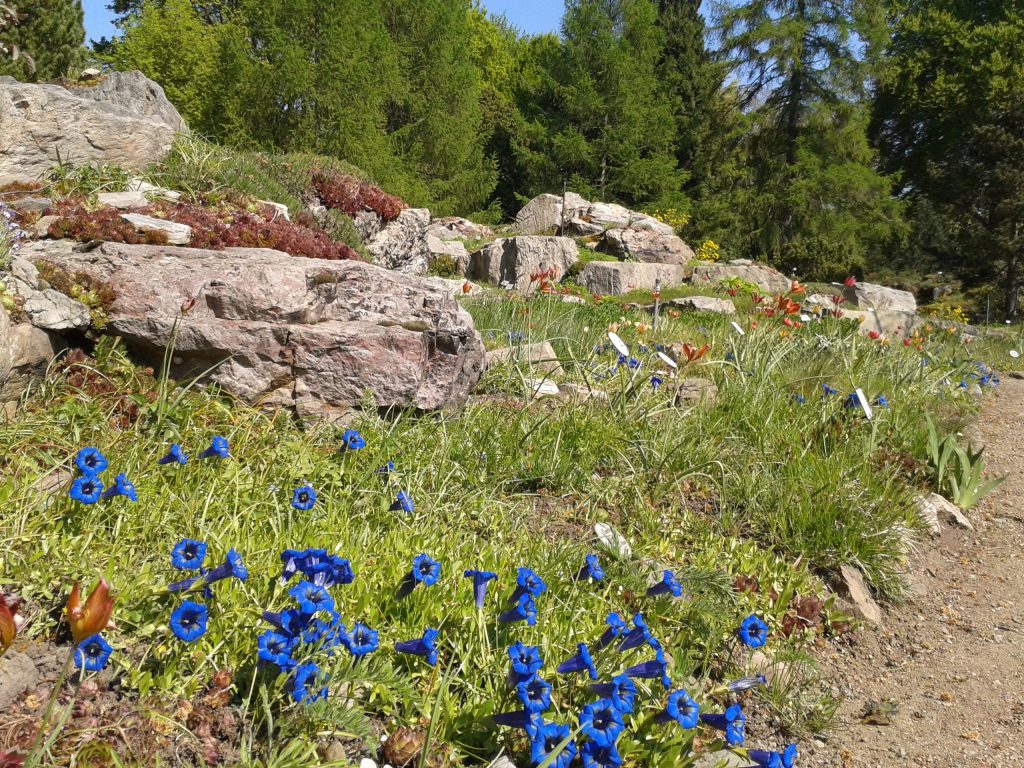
52, 33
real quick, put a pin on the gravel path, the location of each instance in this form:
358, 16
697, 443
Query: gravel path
951, 658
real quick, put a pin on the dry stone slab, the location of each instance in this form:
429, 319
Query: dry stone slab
308, 335
710, 304
123, 200
888, 322
540, 356
767, 280
609, 278
860, 595
695, 391
177, 234
950, 511
510, 261
647, 246
869, 296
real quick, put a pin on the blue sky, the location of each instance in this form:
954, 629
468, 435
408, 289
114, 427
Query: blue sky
531, 16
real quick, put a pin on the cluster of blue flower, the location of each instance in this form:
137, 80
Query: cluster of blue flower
89, 489
188, 620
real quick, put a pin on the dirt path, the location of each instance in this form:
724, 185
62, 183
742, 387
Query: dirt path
952, 657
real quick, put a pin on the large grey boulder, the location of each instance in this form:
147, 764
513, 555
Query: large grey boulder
308, 335
610, 278
767, 280
456, 228
452, 249
511, 261
543, 214
870, 296
402, 244
25, 352
125, 119
646, 245
889, 323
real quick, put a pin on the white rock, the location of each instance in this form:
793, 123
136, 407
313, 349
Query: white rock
612, 541
950, 510
177, 234
122, 200
540, 356
860, 595
152, 191
367, 763
281, 210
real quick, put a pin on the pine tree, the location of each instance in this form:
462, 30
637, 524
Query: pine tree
52, 33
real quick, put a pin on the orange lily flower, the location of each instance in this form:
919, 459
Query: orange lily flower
466, 287
757, 298
94, 616
795, 287
693, 354
8, 629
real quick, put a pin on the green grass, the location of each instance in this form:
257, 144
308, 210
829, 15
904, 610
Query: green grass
754, 485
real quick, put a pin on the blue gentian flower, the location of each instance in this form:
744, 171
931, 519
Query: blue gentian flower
174, 456
528, 721
656, 381
403, 502
528, 583
621, 692
682, 709
591, 569
578, 663
656, 668
595, 756
546, 740
352, 441
86, 490
881, 402
637, 636
387, 469
534, 694
616, 627
275, 648
362, 640
188, 555
621, 360
311, 598
730, 357
426, 646
799, 399
633, 363
292, 560
90, 462
731, 723
828, 391
526, 659
425, 570
92, 654
747, 683
303, 498
525, 609
337, 570
753, 632
188, 622
291, 622
231, 567
480, 579
669, 585
218, 449
784, 759
309, 684
122, 487
852, 401
602, 723
326, 634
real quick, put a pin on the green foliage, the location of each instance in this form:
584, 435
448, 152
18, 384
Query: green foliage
52, 34
958, 471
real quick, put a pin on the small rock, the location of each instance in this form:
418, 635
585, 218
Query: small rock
858, 592
580, 393
41, 228
18, 674
721, 758
704, 304
613, 541
177, 234
367, 763
950, 511
31, 204
53, 311
695, 391
152, 190
543, 387
541, 356
568, 298
501, 762
122, 200
89, 74
929, 514
281, 210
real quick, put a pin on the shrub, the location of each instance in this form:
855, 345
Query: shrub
444, 266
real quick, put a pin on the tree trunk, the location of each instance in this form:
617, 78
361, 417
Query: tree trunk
1012, 288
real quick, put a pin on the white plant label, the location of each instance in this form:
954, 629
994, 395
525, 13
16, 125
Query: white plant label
739, 330
619, 344
864, 404
1014, 354
667, 360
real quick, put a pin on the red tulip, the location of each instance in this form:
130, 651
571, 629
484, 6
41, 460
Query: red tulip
874, 335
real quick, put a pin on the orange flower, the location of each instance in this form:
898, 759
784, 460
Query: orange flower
787, 307
796, 288
8, 629
693, 354
466, 287
94, 616
758, 298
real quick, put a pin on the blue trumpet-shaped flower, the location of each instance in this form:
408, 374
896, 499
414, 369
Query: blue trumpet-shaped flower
527, 721
747, 683
784, 759
174, 456
90, 462
86, 490
799, 399
276, 648
730, 723
352, 441
292, 559
656, 668
309, 683
852, 401
534, 694
426, 646
425, 570
188, 621
656, 381
528, 583
386, 469
362, 640
621, 692
303, 498
188, 555
546, 739
828, 391
231, 567
480, 579
591, 569
311, 598
218, 449
669, 585
753, 632
122, 487
617, 627
637, 636
92, 654
681, 709
291, 623
602, 723
881, 402
595, 756
326, 634
337, 570
526, 659
525, 609
578, 663
403, 502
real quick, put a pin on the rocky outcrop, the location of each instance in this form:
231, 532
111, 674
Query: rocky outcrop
25, 352
125, 119
766, 279
647, 246
452, 249
703, 304
889, 323
402, 244
610, 278
543, 214
869, 296
511, 261
45, 308
309, 335
455, 228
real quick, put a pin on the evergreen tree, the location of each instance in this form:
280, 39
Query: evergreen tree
52, 33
